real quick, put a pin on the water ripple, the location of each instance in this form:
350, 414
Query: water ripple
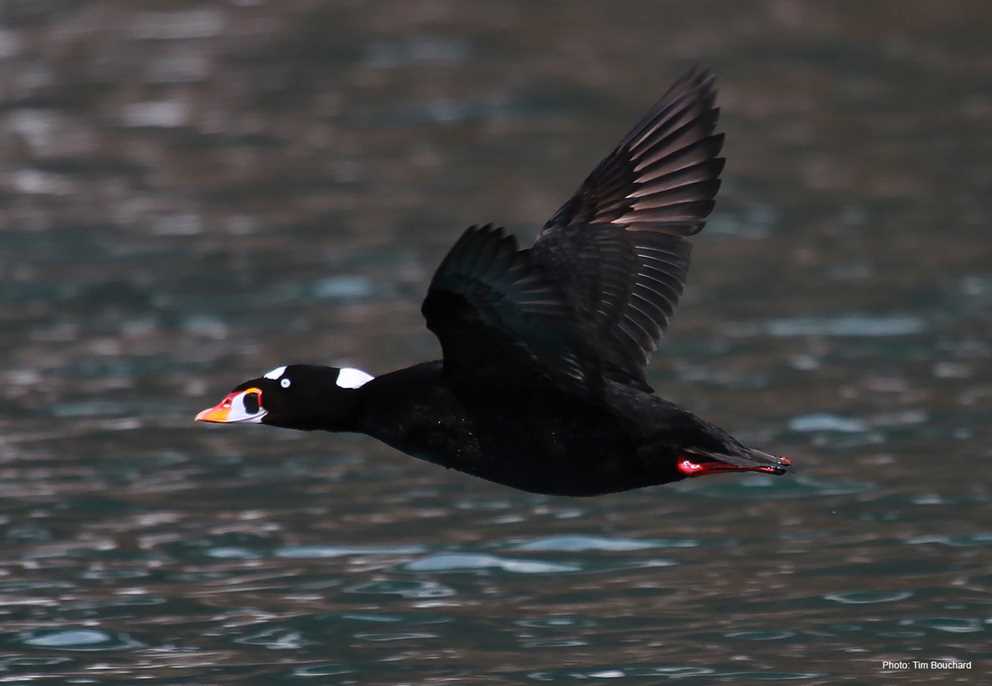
78, 639
760, 635
962, 541
579, 543
848, 325
826, 422
405, 589
275, 639
672, 673
329, 551
329, 669
456, 562
868, 597
954, 625
400, 636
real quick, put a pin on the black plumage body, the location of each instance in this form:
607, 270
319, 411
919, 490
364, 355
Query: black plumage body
536, 439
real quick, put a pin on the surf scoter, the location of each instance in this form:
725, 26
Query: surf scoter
542, 383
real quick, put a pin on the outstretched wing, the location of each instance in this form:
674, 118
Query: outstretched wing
501, 319
664, 174
618, 247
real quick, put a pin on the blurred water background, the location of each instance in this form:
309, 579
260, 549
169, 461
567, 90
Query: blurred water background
192, 193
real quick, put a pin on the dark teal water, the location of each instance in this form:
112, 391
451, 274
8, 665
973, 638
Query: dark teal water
195, 192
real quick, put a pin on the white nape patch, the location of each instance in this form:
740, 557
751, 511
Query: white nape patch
353, 378
276, 373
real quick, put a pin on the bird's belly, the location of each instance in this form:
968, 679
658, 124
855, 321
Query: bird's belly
567, 454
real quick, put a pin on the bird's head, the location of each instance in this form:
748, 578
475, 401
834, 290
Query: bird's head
298, 396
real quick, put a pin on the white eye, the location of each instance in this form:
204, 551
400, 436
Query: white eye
284, 383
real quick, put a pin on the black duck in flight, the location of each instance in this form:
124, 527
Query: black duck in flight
542, 384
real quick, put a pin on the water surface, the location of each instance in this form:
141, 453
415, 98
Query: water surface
196, 192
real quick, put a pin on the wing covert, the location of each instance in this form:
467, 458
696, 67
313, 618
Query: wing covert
499, 317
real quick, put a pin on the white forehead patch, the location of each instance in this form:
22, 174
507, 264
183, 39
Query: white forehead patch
276, 373
353, 378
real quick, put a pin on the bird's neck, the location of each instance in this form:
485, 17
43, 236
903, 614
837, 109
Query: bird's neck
341, 410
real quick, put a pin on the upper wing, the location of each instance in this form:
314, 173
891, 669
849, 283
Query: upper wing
664, 174
618, 247
501, 319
